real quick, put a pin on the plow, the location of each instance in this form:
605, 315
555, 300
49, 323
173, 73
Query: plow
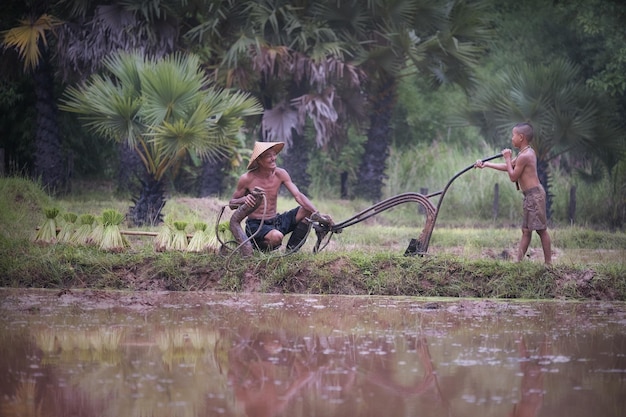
325, 229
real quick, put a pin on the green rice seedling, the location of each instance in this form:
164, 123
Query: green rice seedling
47, 233
97, 233
179, 237
112, 239
163, 239
68, 227
82, 234
201, 239
224, 233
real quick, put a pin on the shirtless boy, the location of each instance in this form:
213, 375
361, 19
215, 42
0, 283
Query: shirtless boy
523, 171
264, 175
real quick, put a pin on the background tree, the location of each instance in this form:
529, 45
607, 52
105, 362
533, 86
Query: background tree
440, 40
287, 55
30, 40
568, 119
529, 77
162, 110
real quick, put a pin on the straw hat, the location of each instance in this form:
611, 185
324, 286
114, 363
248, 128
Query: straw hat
260, 147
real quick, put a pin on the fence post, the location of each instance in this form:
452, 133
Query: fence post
344, 184
572, 204
496, 201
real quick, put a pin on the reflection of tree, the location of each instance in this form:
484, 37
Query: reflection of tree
23, 402
266, 376
532, 392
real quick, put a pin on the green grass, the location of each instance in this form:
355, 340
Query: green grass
464, 260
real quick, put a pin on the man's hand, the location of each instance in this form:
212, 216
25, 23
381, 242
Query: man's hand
324, 219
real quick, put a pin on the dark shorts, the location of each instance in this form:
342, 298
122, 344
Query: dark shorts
283, 222
535, 209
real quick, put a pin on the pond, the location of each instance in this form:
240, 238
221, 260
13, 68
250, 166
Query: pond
100, 353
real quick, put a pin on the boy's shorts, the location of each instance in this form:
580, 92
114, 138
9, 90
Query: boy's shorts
535, 217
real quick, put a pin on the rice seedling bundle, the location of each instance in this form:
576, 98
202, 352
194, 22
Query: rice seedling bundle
163, 239
47, 233
201, 240
179, 237
68, 228
97, 232
112, 239
82, 235
223, 230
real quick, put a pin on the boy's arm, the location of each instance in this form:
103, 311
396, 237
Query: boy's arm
515, 167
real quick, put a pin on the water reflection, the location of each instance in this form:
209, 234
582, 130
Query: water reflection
171, 354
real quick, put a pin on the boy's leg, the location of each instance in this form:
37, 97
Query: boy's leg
546, 244
524, 243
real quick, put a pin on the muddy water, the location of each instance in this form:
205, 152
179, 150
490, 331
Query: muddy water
178, 354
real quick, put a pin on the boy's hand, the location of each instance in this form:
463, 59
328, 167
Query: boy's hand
506, 153
479, 164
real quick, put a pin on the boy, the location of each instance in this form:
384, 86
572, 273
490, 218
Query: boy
523, 171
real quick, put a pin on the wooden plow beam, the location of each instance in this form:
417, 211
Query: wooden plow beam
417, 246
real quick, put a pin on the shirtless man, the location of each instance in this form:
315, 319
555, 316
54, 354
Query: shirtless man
265, 176
523, 171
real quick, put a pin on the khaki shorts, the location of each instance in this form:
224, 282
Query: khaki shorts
535, 209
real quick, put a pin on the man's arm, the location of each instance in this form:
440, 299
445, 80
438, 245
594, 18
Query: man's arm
241, 194
300, 198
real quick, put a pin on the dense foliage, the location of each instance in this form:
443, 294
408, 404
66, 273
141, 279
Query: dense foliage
345, 83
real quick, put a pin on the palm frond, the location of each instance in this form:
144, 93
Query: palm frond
29, 37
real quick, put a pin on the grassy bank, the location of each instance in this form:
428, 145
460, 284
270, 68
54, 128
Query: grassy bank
463, 260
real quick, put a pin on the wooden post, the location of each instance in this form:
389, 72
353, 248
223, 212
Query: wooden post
572, 204
344, 185
496, 201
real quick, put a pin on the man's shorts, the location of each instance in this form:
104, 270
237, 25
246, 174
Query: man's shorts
283, 222
535, 209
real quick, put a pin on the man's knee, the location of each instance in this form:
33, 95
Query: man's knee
274, 239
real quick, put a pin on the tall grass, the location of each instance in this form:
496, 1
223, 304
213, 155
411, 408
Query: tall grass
21, 207
470, 198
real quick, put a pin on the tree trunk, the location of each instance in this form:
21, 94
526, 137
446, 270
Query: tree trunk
149, 204
296, 161
50, 162
371, 173
129, 169
211, 183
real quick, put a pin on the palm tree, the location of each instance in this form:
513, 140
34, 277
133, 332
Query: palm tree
439, 40
569, 119
163, 110
293, 61
30, 40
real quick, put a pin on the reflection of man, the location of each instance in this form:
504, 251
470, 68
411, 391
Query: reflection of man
254, 372
532, 383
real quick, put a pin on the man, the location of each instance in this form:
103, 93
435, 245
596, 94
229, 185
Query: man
523, 171
263, 181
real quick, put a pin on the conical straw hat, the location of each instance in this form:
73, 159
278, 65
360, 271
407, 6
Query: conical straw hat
260, 147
